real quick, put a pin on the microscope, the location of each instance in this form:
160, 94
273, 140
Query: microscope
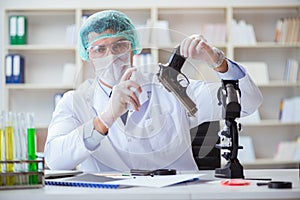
229, 97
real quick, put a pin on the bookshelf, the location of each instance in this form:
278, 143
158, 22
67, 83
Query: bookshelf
47, 50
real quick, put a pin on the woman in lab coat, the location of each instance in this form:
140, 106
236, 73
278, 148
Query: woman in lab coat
87, 127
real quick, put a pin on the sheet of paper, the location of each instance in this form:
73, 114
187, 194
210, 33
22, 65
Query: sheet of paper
157, 181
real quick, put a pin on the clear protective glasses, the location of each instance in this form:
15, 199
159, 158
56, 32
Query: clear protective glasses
116, 48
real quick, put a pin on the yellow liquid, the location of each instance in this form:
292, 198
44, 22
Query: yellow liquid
1, 152
1, 147
9, 153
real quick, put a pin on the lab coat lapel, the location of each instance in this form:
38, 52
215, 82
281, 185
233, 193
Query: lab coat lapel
82, 101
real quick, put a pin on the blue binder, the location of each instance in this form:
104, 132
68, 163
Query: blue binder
8, 68
15, 68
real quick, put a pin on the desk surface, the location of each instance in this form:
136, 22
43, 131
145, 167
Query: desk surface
208, 187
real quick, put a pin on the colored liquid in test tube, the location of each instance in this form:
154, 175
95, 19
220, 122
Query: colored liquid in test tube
31, 144
9, 146
2, 145
1, 151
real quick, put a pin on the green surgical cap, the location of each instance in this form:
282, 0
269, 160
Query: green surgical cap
99, 22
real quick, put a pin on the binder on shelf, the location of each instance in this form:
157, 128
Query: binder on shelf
8, 68
290, 109
22, 29
18, 69
278, 30
287, 30
15, 68
242, 33
13, 29
291, 70
17, 29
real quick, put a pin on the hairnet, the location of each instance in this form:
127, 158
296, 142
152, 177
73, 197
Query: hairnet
99, 22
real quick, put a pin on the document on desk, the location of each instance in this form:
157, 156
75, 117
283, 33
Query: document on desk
157, 181
61, 173
99, 181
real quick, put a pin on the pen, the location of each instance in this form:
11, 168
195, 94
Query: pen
113, 174
262, 183
259, 179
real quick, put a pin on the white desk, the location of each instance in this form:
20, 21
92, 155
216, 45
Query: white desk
198, 190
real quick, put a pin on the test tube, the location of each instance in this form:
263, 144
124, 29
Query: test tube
9, 146
17, 149
2, 145
22, 129
31, 147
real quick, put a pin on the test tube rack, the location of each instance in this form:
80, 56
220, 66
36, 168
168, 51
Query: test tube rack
18, 176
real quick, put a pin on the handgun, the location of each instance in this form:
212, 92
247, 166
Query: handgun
176, 82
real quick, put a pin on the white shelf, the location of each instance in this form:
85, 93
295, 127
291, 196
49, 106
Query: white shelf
46, 47
270, 163
267, 45
280, 84
29, 86
173, 44
271, 122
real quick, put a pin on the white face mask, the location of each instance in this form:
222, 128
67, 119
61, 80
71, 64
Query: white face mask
110, 69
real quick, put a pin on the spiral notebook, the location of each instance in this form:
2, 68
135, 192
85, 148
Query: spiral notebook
85, 180
97, 181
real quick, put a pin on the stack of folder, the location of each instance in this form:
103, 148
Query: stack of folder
14, 68
17, 30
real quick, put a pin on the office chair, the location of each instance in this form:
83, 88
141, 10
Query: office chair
204, 137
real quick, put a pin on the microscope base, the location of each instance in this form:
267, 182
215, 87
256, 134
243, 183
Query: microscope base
233, 169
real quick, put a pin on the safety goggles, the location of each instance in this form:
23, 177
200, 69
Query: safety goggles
100, 51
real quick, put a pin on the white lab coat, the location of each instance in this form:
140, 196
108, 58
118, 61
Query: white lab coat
157, 137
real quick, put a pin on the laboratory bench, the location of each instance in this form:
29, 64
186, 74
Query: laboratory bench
207, 187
